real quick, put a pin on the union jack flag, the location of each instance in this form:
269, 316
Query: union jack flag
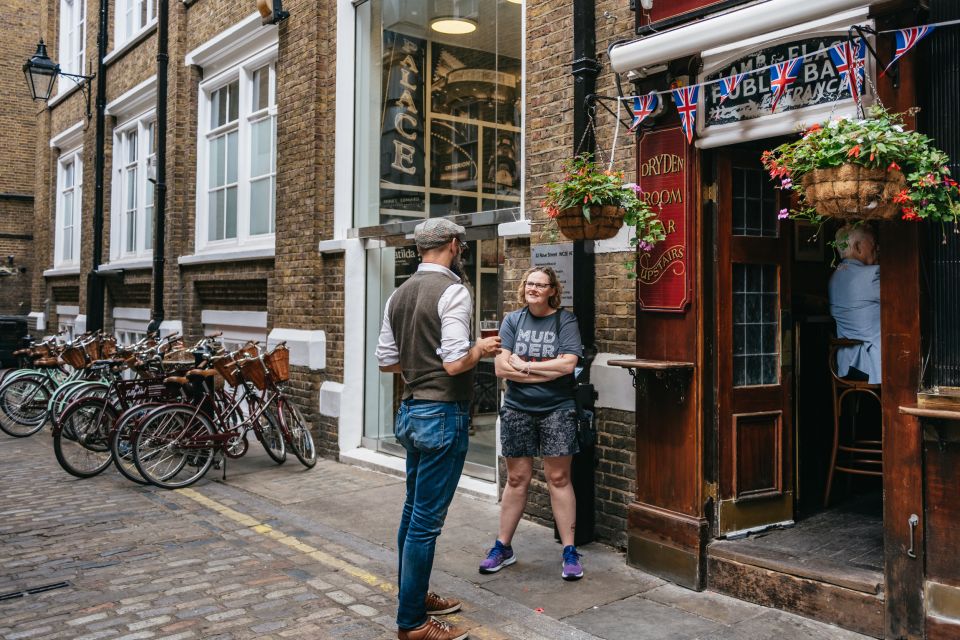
849, 61
686, 100
907, 39
782, 75
643, 106
727, 85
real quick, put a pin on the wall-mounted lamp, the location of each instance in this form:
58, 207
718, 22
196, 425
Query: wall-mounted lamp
41, 72
646, 4
454, 17
271, 11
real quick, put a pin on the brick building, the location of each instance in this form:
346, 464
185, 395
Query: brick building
274, 228
17, 179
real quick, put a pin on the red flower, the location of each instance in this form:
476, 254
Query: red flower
871, 157
854, 152
950, 182
902, 197
909, 215
812, 128
893, 165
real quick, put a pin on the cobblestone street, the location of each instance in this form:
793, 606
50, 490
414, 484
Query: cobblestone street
282, 552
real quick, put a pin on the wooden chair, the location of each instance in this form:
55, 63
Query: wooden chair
857, 456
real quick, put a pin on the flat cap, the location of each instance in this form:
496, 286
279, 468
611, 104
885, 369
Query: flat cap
436, 232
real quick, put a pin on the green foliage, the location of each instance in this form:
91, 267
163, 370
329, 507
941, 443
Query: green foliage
585, 183
879, 141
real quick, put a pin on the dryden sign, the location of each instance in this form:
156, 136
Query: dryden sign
662, 274
560, 257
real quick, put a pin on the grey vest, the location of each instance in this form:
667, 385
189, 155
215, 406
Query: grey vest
417, 331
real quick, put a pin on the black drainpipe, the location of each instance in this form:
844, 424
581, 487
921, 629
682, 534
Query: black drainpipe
95, 284
585, 70
160, 202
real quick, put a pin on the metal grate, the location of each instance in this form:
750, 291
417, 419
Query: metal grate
943, 260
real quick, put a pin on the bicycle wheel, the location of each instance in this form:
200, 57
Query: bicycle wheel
23, 405
121, 442
297, 432
270, 436
82, 441
173, 448
67, 393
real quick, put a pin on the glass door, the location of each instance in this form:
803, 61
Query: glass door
387, 268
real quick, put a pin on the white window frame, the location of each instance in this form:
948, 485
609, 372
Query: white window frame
242, 71
130, 324
74, 156
73, 41
237, 327
67, 320
120, 211
126, 27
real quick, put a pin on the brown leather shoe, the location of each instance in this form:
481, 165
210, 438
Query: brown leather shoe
432, 629
437, 606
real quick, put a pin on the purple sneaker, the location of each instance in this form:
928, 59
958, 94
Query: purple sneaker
572, 569
500, 556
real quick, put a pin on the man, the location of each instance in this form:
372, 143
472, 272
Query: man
855, 303
425, 337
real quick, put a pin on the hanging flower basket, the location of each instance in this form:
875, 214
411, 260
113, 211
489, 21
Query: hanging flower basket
853, 191
605, 221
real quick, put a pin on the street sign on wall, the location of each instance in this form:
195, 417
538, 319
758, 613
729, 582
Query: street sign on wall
560, 257
663, 274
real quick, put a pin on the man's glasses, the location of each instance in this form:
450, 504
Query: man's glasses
540, 286
464, 247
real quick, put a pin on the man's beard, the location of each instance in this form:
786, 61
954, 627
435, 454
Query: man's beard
457, 267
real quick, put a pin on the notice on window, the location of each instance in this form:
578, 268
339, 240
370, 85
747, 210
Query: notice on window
560, 258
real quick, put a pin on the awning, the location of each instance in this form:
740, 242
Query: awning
723, 29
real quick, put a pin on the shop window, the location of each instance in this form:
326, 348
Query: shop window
133, 193
754, 203
756, 325
237, 163
438, 113
133, 18
69, 200
73, 36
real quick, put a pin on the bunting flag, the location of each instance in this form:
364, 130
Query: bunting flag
782, 75
907, 39
643, 106
686, 100
849, 61
727, 85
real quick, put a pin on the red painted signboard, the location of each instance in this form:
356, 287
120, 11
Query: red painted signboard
663, 274
663, 10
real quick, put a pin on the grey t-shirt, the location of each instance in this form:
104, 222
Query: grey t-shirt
536, 339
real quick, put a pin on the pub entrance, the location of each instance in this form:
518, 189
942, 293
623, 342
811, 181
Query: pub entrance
775, 541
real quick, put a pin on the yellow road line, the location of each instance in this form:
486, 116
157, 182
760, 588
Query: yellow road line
290, 541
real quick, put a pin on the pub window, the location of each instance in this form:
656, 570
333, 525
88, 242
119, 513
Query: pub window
438, 113
237, 159
754, 203
756, 326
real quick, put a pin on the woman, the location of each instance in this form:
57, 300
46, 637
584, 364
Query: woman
540, 347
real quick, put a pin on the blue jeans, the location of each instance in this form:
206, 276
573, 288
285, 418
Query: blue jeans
435, 435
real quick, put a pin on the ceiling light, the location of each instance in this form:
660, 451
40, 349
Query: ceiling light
453, 26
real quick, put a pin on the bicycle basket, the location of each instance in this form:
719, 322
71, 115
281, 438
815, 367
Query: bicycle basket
108, 348
93, 349
253, 371
75, 357
227, 367
278, 363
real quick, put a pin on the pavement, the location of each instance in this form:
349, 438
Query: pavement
285, 552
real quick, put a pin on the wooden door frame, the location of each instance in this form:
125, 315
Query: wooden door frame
753, 401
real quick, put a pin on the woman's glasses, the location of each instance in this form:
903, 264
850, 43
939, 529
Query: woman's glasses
540, 286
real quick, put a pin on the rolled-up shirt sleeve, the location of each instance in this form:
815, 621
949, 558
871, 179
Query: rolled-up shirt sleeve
455, 309
387, 352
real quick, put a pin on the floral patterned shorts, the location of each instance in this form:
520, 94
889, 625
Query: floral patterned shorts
524, 434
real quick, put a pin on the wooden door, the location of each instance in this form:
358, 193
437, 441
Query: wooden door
754, 368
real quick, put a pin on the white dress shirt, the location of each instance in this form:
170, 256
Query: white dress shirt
855, 305
455, 309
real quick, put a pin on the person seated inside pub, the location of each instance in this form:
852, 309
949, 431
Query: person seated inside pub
855, 303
